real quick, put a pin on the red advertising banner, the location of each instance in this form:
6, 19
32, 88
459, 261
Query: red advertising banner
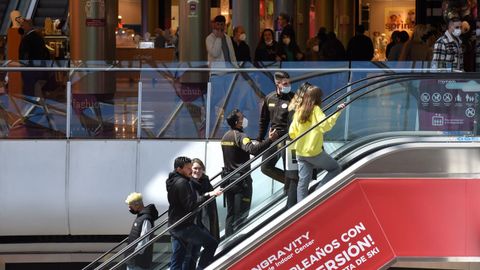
341, 233
371, 221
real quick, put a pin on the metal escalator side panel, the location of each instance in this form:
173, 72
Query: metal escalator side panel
344, 216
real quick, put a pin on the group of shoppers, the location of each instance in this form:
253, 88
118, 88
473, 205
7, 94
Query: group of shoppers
195, 235
188, 187
424, 45
223, 49
283, 112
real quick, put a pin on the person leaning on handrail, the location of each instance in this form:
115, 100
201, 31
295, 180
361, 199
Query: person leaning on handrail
206, 218
182, 200
309, 148
237, 148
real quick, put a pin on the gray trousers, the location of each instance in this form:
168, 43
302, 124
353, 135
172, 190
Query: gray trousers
305, 169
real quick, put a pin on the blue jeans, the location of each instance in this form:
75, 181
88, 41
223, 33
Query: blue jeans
305, 171
133, 267
193, 235
191, 257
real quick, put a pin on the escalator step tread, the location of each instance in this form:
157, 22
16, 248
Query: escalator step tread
52, 3
50, 12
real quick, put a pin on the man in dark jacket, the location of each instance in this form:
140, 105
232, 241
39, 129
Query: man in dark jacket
275, 113
183, 200
360, 47
242, 50
146, 216
32, 53
237, 148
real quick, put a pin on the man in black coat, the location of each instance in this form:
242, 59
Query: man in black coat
183, 200
274, 113
242, 50
237, 148
360, 47
32, 53
146, 216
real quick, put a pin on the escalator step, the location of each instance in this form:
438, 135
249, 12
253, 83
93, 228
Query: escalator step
50, 12
52, 4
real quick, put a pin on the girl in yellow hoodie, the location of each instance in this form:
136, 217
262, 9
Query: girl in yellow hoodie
309, 148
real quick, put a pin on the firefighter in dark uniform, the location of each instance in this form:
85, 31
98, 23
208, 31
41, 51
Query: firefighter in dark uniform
275, 113
237, 148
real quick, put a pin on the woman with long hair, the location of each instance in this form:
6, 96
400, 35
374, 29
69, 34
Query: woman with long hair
267, 48
207, 217
309, 148
291, 174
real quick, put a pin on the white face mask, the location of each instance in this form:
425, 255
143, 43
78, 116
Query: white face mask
245, 123
457, 32
477, 32
270, 42
286, 89
243, 37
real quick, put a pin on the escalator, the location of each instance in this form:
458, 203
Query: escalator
3, 8
400, 203
37, 10
54, 9
370, 216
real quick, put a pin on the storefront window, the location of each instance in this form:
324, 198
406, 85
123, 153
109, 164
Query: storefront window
381, 18
266, 14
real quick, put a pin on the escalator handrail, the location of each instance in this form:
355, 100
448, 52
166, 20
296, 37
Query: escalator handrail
341, 155
156, 237
266, 233
379, 76
125, 240
226, 178
279, 150
283, 138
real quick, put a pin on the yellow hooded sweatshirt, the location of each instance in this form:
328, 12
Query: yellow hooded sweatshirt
311, 144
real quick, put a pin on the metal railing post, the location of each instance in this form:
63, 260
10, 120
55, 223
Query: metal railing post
69, 109
139, 111
208, 112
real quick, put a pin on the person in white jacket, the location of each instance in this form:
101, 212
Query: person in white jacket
219, 46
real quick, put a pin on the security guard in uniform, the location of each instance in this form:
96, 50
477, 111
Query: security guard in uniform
275, 113
237, 148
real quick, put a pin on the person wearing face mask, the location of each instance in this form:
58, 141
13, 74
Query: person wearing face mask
288, 49
219, 45
285, 24
144, 221
447, 50
274, 113
237, 148
241, 48
267, 48
315, 44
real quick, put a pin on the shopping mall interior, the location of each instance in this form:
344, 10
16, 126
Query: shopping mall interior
123, 87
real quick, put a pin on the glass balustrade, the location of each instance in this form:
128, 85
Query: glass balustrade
106, 100
408, 101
